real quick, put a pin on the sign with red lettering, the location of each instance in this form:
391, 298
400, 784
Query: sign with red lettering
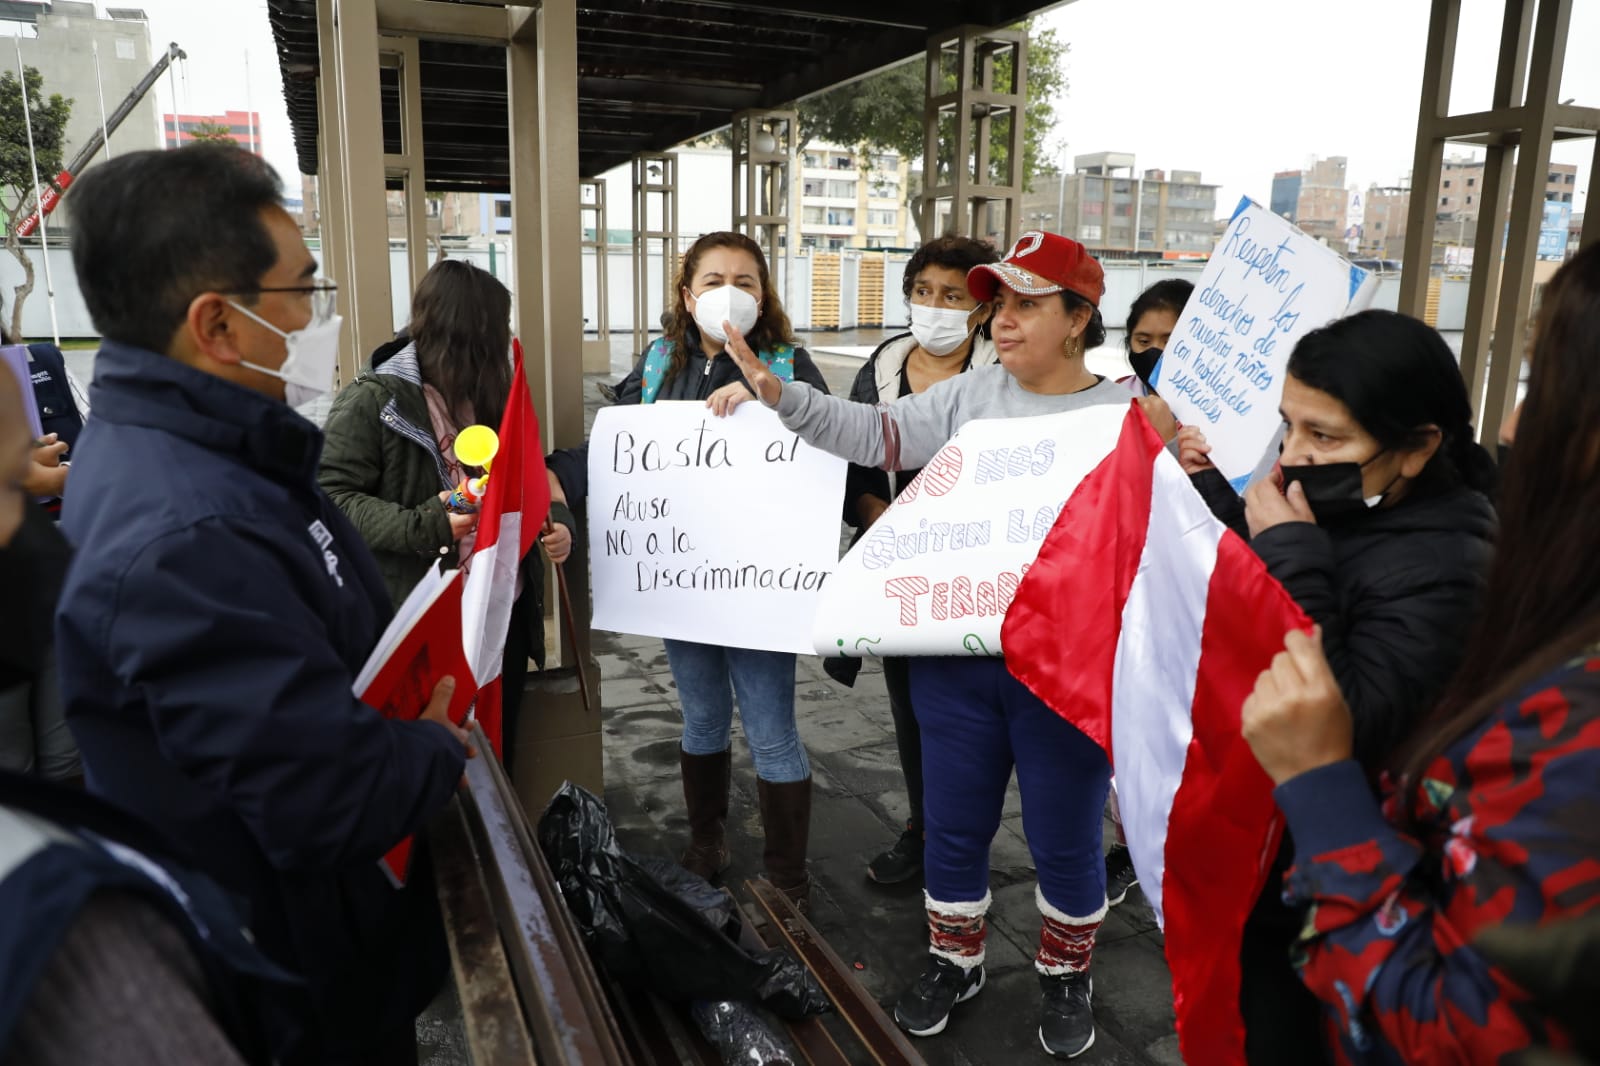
717, 530
935, 574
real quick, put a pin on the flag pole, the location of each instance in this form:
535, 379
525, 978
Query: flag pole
38, 196
100, 91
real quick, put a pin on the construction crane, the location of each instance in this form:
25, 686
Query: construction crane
57, 186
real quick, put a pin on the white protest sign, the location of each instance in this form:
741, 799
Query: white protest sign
936, 572
717, 530
1267, 284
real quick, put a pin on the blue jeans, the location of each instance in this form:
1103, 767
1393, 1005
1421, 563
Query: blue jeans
764, 682
977, 722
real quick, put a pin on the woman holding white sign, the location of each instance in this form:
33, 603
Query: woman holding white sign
977, 721
945, 339
1378, 522
723, 284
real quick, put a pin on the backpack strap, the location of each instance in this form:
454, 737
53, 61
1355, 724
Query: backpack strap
657, 358
780, 361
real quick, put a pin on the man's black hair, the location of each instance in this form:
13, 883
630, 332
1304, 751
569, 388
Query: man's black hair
153, 230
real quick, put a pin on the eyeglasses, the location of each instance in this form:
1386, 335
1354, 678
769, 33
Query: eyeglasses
321, 293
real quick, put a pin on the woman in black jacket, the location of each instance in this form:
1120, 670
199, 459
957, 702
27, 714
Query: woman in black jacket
945, 340
1378, 522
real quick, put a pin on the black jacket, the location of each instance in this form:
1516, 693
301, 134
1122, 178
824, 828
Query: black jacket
698, 379
1395, 591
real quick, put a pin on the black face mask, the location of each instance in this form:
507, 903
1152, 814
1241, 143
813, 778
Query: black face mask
1144, 364
1502, 454
1333, 489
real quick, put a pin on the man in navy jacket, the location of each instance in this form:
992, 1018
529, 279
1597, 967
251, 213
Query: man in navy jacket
220, 605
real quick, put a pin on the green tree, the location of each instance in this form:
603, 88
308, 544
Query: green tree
210, 131
884, 112
49, 118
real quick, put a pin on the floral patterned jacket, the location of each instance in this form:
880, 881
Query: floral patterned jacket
1514, 816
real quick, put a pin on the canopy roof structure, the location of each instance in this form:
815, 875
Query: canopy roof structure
651, 73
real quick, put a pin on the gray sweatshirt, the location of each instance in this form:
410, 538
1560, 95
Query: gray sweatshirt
905, 434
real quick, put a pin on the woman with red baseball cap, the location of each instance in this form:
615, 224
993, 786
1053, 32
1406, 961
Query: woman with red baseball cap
977, 721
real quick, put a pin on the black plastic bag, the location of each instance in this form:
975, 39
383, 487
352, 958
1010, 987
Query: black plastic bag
659, 926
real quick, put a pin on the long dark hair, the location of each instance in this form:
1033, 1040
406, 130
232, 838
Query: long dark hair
772, 327
461, 325
1169, 294
1543, 601
1397, 376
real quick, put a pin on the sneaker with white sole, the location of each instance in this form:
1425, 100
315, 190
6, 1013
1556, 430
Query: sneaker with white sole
1066, 1023
925, 1008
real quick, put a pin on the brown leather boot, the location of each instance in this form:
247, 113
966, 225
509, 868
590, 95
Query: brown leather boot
705, 794
786, 817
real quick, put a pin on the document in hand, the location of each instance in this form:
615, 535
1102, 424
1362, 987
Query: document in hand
421, 646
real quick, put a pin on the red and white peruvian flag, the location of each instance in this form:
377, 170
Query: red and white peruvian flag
509, 521
1145, 622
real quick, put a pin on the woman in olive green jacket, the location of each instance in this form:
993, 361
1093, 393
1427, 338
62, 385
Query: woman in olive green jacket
389, 459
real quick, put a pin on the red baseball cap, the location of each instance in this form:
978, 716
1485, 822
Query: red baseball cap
1038, 264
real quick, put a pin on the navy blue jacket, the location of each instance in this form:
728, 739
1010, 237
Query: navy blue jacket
58, 412
212, 622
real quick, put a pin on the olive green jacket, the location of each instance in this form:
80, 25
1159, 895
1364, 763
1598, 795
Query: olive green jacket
382, 466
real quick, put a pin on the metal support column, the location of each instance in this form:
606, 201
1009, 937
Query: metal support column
976, 79
655, 221
1532, 49
592, 206
331, 230
765, 144
400, 55
1493, 206
542, 80
364, 288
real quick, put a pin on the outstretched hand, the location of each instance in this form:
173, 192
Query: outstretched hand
765, 383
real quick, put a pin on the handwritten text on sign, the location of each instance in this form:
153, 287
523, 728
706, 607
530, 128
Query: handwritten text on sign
717, 530
935, 574
1267, 285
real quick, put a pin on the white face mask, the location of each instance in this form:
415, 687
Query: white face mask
940, 330
307, 371
725, 303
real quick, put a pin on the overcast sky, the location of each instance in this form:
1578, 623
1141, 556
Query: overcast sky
1236, 89
1240, 89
